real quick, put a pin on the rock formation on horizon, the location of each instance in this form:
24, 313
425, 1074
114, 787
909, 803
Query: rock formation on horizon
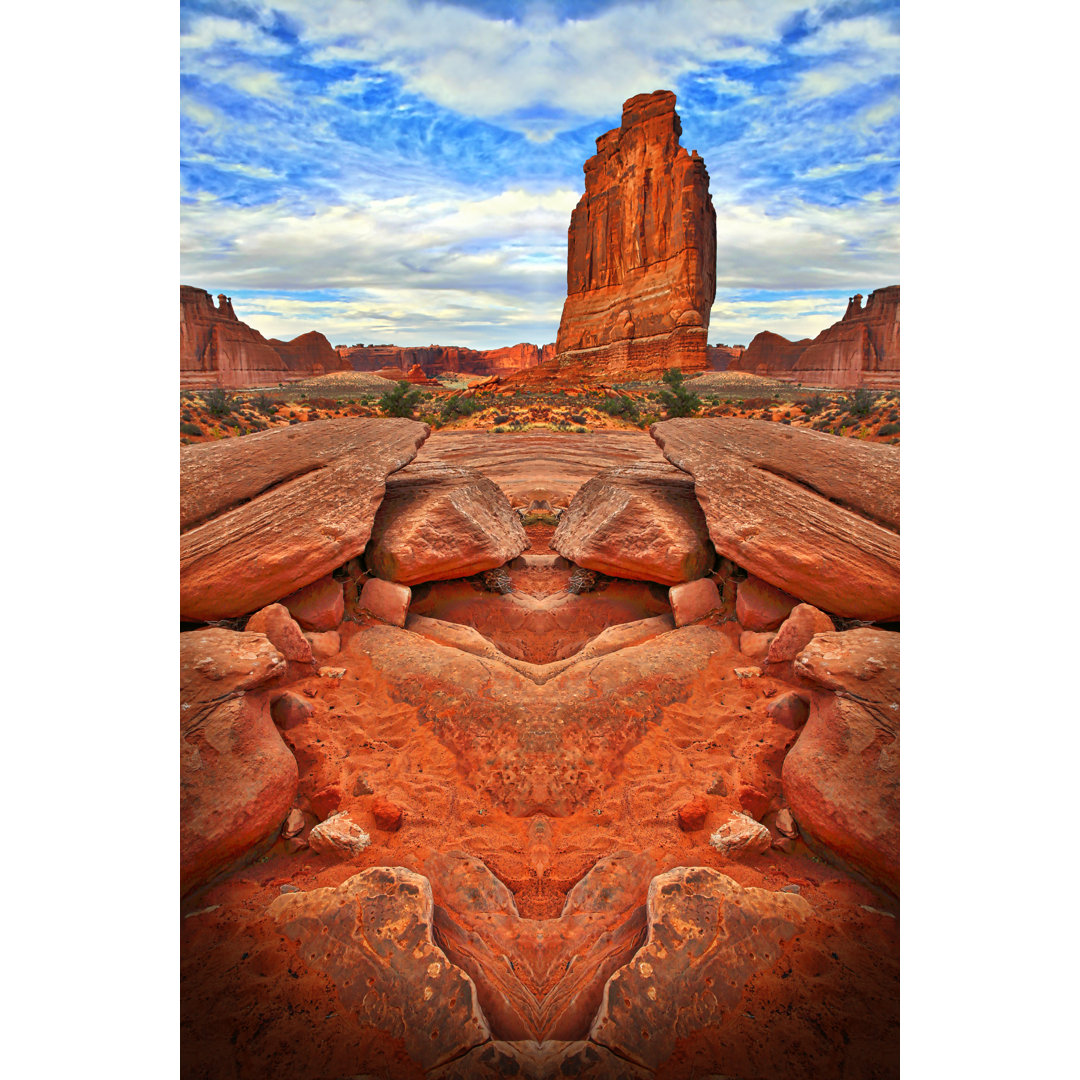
217, 349
436, 359
641, 255
862, 349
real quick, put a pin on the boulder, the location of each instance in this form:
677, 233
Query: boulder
710, 941
318, 606
289, 709
324, 645
790, 709
842, 777
440, 521
338, 835
760, 606
386, 600
282, 629
371, 938
741, 835
639, 521
812, 514
216, 664
694, 600
755, 645
266, 514
798, 628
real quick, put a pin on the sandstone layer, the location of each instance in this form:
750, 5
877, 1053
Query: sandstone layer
813, 515
436, 359
269, 513
863, 349
217, 349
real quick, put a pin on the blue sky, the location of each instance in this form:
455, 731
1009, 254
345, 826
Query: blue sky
403, 172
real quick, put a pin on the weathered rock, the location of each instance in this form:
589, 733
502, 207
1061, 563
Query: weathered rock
289, 709
388, 815
785, 823
237, 778
386, 600
338, 835
371, 938
863, 349
639, 522
324, 645
318, 606
641, 252
437, 359
755, 645
282, 629
694, 600
761, 606
799, 627
709, 939
809, 513
267, 514
691, 816
440, 521
790, 709
294, 824
842, 777
741, 835
526, 1060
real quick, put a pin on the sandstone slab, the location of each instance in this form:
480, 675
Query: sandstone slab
440, 521
386, 600
760, 606
640, 522
264, 515
319, 606
284, 632
812, 514
371, 937
216, 664
694, 600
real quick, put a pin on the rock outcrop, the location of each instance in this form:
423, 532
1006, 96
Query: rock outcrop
641, 254
437, 359
268, 514
863, 349
808, 513
217, 349
639, 521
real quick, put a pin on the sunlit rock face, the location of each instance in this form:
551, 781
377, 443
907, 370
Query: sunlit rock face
641, 258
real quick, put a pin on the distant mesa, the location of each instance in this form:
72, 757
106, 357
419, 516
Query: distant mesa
862, 349
434, 360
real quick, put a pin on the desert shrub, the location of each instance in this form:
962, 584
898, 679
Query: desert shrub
785, 419
501, 418
455, 406
678, 401
577, 418
264, 405
648, 419
885, 429
400, 400
217, 401
623, 407
190, 429
294, 420
861, 402
580, 429
814, 404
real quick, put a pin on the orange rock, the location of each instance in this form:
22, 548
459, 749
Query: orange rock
289, 709
440, 521
279, 626
324, 645
811, 514
694, 600
789, 709
266, 514
318, 606
386, 600
388, 815
755, 645
338, 835
761, 606
692, 815
216, 663
794, 635
639, 521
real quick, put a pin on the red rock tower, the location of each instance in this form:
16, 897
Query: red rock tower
641, 259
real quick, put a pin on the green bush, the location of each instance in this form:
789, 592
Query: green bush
401, 400
885, 429
455, 406
190, 429
814, 404
678, 401
861, 402
217, 401
623, 407
264, 405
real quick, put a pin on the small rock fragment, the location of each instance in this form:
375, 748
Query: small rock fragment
694, 600
332, 672
747, 672
386, 600
741, 835
761, 606
290, 888
789, 888
318, 606
785, 823
324, 645
692, 815
289, 709
789, 709
338, 835
755, 645
294, 823
388, 815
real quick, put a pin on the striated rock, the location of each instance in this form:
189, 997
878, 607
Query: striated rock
526, 1060
267, 514
318, 606
439, 359
216, 349
761, 606
842, 777
371, 937
694, 600
741, 835
338, 835
640, 522
216, 664
811, 514
794, 635
863, 349
440, 521
641, 253
709, 939
279, 626
386, 600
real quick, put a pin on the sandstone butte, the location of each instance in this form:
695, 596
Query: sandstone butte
217, 349
434, 360
862, 349
641, 255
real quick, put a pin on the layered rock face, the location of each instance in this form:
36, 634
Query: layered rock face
720, 357
217, 349
437, 359
641, 259
862, 349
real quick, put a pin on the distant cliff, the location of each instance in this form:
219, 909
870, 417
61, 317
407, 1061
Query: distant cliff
217, 349
435, 359
862, 349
